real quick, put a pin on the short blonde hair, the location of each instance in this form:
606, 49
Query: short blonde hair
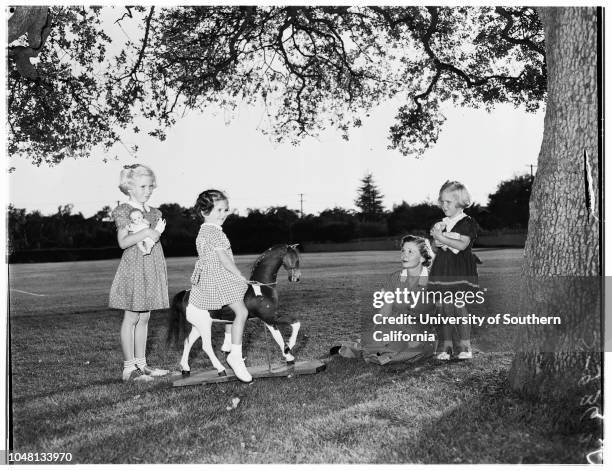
462, 195
131, 172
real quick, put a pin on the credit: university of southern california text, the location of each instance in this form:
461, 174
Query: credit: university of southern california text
470, 319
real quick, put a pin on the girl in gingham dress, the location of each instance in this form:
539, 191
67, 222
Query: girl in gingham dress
141, 282
216, 281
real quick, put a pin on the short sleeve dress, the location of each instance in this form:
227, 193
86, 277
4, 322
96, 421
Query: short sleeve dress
212, 286
141, 281
456, 272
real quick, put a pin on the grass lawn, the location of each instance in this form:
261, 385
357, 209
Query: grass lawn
68, 396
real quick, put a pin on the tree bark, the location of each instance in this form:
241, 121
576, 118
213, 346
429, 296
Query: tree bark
30, 21
562, 266
35, 22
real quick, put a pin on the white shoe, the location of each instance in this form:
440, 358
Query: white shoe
444, 356
465, 355
127, 373
239, 368
154, 371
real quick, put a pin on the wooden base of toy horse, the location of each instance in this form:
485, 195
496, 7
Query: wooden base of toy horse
307, 367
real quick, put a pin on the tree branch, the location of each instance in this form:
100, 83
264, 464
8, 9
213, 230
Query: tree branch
128, 14
145, 40
391, 22
445, 66
522, 42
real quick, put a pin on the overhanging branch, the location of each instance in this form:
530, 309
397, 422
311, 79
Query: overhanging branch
518, 41
448, 67
143, 47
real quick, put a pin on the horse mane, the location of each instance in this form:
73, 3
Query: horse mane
263, 256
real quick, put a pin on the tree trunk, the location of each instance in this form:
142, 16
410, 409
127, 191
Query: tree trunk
562, 265
35, 22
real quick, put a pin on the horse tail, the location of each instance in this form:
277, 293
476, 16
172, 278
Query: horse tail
178, 326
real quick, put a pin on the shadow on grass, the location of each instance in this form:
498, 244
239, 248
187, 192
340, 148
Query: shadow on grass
67, 390
496, 426
352, 413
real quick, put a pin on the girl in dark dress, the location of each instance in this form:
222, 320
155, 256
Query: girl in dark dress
454, 268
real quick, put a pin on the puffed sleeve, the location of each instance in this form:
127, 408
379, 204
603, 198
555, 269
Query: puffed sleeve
121, 216
219, 240
467, 227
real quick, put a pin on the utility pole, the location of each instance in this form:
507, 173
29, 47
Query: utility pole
531, 166
301, 205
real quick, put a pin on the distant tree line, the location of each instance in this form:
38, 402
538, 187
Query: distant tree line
508, 208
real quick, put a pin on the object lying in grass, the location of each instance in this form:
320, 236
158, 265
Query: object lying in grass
235, 402
384, 354
299, 368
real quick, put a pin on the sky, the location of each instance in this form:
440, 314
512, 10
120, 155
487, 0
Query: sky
208, 150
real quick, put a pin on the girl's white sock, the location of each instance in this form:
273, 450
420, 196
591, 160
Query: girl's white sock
227, 342
236, 350
141, 363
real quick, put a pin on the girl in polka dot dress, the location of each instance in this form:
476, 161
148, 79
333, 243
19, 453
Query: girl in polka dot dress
216, 281
141, 282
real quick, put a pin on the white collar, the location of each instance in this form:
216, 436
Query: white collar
144, 206
212, 224
451, 221
423, 277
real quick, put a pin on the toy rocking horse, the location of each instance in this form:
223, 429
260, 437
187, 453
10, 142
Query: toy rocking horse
261, 300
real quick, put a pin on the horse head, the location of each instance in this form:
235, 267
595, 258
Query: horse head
291, 262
